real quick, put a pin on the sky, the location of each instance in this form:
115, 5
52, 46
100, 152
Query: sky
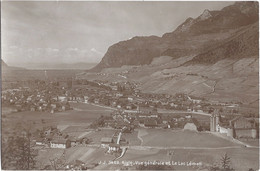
77, 32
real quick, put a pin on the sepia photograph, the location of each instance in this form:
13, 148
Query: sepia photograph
130, 85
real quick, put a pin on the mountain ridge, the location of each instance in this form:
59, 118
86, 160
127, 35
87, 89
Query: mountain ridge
215, 56
141, 50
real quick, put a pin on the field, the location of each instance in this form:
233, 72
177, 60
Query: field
83, 115
144, 144
85, 154
97, 135
241, 159
171, 138
190, 146
132, 138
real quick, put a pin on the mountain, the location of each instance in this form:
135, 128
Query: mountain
6, 67
214, 56
3, 64
194, 36
58, 66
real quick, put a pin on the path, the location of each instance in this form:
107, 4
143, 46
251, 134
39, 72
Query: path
122, 154
140, 134
171, 112
84, 134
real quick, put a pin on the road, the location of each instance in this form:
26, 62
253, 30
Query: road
185, 148
159, 110
171, 112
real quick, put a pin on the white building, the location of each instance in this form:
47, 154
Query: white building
60, 143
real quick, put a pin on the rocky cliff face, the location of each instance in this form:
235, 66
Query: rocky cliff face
212, 29
243, 44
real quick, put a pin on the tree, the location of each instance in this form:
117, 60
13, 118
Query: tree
18, 153
224, 165
225, 161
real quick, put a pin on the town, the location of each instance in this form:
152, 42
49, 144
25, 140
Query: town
132, 115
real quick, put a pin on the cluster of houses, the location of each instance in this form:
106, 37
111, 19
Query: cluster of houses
26, 99
53, 97
148, 118
52, 137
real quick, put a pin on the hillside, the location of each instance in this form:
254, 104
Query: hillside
194, 36
242, 44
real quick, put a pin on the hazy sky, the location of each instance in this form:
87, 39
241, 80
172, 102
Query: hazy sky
71, 32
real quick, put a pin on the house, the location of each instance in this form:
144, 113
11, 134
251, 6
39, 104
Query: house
173, 105
50, 130
114, 87
53, 106
241, 122
39, 141
47, 132
150, 122
243, 127
33, 108
65, 106
130, 99
188, 116
164, 103
146, 110
114, 147
52, 111
96, 101
105, 141
73, 141
86, 99
114, 103
119, 95
60, 143
61, 98
189, 110
137, 91
128, 107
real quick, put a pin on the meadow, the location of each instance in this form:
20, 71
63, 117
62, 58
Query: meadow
180, 138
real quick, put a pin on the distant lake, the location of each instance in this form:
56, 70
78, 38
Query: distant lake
22, 75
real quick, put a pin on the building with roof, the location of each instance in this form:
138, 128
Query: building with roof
105, 141
243, 127
190, 126
150, 122
239, 127
60, 143
114, 147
